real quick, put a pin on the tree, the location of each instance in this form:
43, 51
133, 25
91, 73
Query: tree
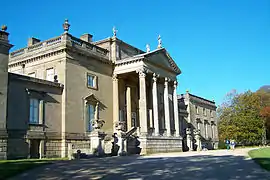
264, 94
240, 119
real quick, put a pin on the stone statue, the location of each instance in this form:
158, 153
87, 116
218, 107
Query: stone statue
147, 48
198, 139
114, 32
159, 42
189, 139
66, 25
3, 28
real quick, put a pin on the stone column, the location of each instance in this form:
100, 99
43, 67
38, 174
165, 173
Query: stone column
175, 107
142, 104
128, 103
166, 108
155, 104
206, 129
115, 101
41, 149
41, 111
28, 141
189, 139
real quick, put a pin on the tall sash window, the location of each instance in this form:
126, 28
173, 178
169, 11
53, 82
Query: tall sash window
91, 116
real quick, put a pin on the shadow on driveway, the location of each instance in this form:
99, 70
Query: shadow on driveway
135, 167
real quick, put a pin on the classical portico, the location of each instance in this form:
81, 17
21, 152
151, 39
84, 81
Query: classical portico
144, 94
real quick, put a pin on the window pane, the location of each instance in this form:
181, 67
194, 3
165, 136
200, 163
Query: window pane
91, 81
31, 114
34, 110
91, 115
35, 115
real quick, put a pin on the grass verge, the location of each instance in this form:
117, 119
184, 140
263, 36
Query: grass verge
9, 168
261, 156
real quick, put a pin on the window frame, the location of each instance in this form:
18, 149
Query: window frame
197, 109
90, 118
32, 113
46, 74
204, 112
95, 81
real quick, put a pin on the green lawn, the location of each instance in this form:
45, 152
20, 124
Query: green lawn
10, 168
261, 156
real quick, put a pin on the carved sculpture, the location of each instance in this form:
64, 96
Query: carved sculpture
114, 32
159, 42
147, 48
66, 25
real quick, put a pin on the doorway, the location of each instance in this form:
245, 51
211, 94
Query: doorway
34, 148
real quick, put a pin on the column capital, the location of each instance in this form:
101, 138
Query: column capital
175, 83
167, 79
155, 76
115, 77
142, 73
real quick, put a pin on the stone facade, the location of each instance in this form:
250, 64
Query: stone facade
78, 82
201, 120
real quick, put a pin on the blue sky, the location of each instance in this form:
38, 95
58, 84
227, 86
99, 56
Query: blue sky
219, 45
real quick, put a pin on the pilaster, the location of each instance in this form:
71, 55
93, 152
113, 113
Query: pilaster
115, 101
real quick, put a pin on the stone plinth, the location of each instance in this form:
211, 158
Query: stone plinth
159, 144
97, 143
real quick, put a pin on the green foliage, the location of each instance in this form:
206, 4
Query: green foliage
240, 119
221, 145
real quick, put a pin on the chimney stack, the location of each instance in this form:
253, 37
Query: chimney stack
86, 37
32, 41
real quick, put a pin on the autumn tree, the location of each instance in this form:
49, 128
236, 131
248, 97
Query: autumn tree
265, 108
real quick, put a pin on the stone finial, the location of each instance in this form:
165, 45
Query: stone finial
159, 42
66, 25
187, 91
147, 48
114, 31
3, 28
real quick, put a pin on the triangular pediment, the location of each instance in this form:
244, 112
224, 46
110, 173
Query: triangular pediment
91, 98
162, 59
159, 58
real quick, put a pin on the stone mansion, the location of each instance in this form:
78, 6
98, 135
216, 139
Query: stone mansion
63, 92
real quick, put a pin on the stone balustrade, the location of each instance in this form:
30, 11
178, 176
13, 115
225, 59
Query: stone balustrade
76, 42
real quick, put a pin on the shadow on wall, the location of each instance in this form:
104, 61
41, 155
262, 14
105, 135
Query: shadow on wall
135, 167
